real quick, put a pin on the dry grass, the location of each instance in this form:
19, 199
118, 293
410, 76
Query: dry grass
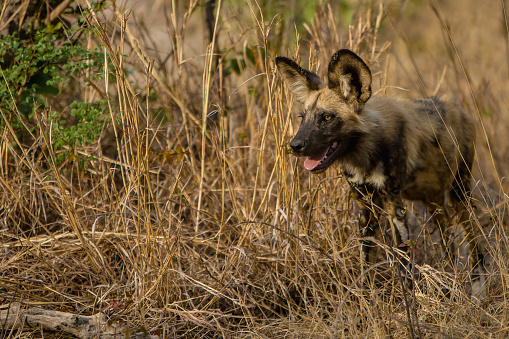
194, 221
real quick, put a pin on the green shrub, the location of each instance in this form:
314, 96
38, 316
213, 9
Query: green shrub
39, 70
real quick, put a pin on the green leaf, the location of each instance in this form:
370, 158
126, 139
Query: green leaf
250, 55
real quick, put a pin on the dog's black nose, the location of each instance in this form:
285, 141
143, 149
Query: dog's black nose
297, 145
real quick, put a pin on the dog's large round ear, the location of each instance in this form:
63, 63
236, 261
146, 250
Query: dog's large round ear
350, 77
299, 80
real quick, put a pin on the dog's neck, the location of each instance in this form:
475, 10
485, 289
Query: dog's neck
361, 162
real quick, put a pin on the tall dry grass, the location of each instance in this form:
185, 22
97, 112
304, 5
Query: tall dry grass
193, 220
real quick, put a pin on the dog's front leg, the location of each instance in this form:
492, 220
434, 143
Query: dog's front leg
399, 226
397, 217
370, 205
369, 226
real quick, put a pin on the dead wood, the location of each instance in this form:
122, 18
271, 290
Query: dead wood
81, 326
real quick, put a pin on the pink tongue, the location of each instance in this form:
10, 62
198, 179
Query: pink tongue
311, 162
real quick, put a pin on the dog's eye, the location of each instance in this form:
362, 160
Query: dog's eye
328, 117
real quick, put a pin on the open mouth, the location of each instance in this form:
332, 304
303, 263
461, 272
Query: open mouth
319, 163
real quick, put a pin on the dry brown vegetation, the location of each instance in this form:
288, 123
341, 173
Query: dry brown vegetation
191, 219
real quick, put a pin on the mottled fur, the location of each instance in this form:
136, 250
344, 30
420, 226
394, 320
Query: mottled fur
389, 149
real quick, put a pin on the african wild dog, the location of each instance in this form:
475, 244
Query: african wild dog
389, 149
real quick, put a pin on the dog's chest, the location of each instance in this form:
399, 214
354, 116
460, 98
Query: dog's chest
374, 177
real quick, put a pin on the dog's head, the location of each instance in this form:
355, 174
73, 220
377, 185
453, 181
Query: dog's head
330, 120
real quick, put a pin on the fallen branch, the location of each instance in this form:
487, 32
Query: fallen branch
86, 327
57, 11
